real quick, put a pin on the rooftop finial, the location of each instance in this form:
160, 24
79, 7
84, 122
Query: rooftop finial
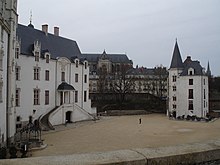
30, 16
30, 24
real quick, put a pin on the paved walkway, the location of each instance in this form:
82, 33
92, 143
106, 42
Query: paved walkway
125, 132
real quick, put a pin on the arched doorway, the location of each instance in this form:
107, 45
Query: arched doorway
68, 116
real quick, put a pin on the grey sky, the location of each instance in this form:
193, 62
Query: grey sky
143, 29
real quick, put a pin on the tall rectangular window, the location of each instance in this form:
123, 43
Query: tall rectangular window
85, 78
174, 78
76, 96
190, 105
204, 94
190, 93
1, 58
76, 77
190, 81
17, 98
174, 88
85, 96
37, 56
62, 76
1, 90
16, 53
86, 65
174, 98
47, 75
47, 97
36, 96
36, 73
77, 63
17, 73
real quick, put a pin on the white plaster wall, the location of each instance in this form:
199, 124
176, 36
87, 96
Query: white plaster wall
3, 76
27, 85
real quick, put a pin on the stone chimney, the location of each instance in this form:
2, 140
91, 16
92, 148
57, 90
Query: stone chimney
45, 29
56, 31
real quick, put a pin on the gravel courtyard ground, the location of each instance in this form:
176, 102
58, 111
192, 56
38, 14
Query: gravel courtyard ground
125, 132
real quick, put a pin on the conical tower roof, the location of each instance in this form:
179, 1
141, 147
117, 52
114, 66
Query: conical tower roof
176, 59
208, 72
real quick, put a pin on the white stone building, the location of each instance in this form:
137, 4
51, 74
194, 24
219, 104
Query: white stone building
8, 23
51, 79
188, 87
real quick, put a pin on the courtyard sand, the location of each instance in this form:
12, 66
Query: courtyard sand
125, 132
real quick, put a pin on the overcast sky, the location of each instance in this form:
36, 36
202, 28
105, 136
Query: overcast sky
145, 30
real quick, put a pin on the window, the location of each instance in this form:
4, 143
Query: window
190, 73
190, 105
204, 81
47, 97
17, 53
17, 98
1, 58
18, 118
77, 63
85, 96
190, 93
1, 90
36, 73
85, 78
47, 75
62, 76
85, 65
37, 56
47, 58
36, 96
204, 94
76, 96
174, 98
174, 106
17, 73
174, 78
190, 81
174, 88
76, 77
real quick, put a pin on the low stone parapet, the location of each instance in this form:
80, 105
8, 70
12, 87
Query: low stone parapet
181, 154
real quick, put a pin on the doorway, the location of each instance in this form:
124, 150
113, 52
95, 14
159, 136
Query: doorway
68, 116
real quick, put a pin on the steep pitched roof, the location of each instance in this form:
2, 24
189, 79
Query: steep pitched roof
208, 72
56, 45
116, 58
198, 70
176, 59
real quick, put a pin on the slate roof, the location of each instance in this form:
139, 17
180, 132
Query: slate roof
56, 45
176, 59
115, 58
141, 71
198, 70
65, 87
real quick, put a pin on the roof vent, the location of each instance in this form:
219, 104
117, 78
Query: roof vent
45, 29
56, 31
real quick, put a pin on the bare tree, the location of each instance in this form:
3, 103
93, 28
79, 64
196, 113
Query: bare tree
122, 84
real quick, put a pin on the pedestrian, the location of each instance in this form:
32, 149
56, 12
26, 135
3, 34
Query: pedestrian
139, 120
66, 123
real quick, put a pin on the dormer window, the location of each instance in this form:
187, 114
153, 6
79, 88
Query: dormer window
37, 56
47, 57
37, 50
17, 52
77, 63
191, 71
86, 65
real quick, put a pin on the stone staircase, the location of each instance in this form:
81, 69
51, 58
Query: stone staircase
44, 120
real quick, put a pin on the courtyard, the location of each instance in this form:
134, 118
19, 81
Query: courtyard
125, 132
